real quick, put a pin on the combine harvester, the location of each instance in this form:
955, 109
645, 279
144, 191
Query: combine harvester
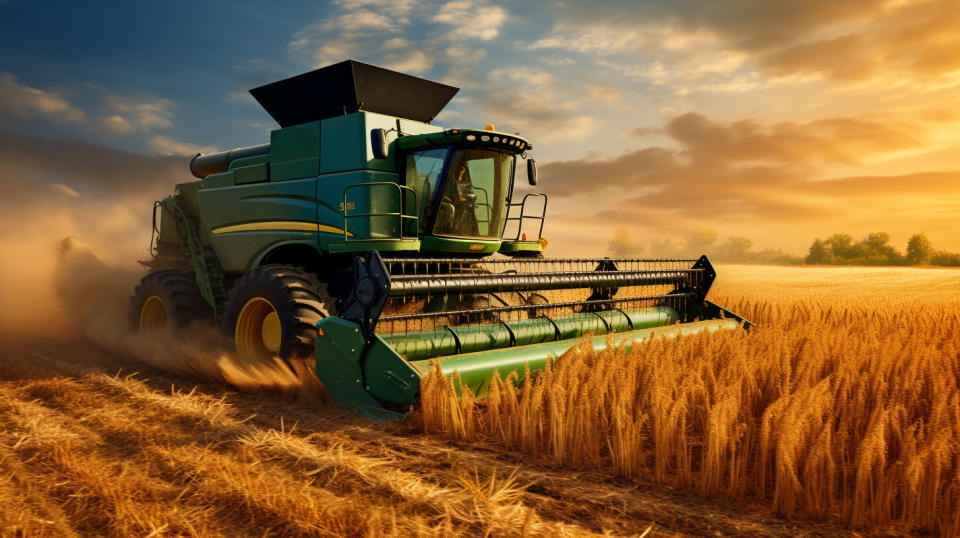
375, 242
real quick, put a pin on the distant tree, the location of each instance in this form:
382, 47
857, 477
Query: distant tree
819, 253
919, 250
775, 255
621, 245
664, 247
878, 250
735, 249
945, 259
842, 246
877, 241
700, 241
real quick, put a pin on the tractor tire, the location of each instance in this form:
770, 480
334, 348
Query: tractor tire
167, 299
273, 311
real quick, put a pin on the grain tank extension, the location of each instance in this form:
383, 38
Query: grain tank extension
364, 242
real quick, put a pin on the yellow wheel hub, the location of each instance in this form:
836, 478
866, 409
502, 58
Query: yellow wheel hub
153, 314
258, 333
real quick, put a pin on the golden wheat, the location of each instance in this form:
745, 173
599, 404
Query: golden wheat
844, 413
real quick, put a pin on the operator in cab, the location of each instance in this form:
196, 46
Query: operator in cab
457, 214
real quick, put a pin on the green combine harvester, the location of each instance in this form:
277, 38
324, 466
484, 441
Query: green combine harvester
365, 242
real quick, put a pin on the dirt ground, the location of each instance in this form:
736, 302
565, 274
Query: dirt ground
92, 443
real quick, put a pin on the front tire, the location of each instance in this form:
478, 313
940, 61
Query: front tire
273, 311
167, 299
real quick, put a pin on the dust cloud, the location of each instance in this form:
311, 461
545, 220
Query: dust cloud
98, 295
54, 287
64, 291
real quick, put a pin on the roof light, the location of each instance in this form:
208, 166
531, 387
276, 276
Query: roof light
471, 138
490, 127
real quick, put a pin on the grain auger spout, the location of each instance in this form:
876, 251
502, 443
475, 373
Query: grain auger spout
480, 316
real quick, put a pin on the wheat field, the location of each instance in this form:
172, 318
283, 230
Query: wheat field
109, 435
842, 405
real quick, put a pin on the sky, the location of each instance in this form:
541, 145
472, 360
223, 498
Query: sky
778, 121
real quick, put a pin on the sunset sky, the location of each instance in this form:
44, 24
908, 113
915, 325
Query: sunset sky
778, 120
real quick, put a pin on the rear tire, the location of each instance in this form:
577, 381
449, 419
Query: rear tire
273, 311
167, 299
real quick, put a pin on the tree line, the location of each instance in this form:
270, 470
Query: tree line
875, 249
838, 249
732, 249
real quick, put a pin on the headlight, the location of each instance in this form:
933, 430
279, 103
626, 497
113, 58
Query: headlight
484, 138
471, 138
496, 139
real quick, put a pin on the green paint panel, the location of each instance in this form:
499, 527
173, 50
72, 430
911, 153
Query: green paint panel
390, 380
363, 246
253, 173
294, 169
520, 247
339, 349
295, 143
293, 200
330, 192
463, 246
345, 143
295, 152
224, 179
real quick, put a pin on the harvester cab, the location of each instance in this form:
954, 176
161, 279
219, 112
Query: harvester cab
365, 243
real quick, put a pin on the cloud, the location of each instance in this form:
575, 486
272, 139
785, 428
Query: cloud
415, 61
116, 125
531, 99
361, 19
465, 55
608, 37
362, 26
24, 101
89, 170
754, 43
396, 43
118, 116
471, 19
840, 139
138, 113
167, 146
745, 172
604, 93
399, 10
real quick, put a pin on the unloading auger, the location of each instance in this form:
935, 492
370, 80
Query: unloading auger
367, 242
485, 316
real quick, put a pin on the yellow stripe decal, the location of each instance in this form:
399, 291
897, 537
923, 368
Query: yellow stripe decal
279, 225
331, 230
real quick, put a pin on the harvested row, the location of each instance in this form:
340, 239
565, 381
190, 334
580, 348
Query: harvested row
80, 463
842, 414
94, 453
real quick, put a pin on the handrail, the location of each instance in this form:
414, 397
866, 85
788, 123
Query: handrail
402, 191
520, 218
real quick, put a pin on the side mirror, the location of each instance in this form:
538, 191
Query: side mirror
378, 143
532, 171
